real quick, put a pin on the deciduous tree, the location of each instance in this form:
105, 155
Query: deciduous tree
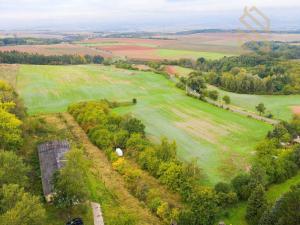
20, 208
257, 204
12, 169
70, 183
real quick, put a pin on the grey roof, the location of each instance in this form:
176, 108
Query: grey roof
51, 157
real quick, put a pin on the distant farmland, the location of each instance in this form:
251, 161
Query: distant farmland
222, 141
208, 45
149, 49
57, 49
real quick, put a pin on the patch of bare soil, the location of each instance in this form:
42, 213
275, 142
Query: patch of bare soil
296, 110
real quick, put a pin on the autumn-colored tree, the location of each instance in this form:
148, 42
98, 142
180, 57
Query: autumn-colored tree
10, 131
171, 174
20, 208
70, 183
204, 206
12, 169
226, 99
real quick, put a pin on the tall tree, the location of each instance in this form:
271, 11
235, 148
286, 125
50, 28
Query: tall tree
12, 169
257, 205
285, 211
70, 182
261, 108
20, 208
204, 206
196, 83
10, 131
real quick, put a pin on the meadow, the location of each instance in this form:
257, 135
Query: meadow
222, 141
281, 106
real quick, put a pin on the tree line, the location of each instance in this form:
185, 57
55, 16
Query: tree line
263, 71
274, 49
249, 74
15, 57
18, 206
28, 41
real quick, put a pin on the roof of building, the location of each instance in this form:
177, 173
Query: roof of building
51, 157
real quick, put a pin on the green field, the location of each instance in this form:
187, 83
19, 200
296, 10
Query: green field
176, 54
279, 105
222, 141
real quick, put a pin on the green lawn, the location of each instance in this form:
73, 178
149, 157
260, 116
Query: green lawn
176, 54
221, 140
279, 105
237, 214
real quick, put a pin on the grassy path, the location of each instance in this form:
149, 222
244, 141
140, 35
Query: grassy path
101, 167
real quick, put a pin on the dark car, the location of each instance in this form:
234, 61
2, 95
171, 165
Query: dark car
76, 221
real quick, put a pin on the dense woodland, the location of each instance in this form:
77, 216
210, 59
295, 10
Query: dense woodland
15, 57
251, 74
28, 41
18, 205
274, 49
270, 71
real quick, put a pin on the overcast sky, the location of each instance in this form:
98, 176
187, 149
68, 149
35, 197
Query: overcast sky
140, 13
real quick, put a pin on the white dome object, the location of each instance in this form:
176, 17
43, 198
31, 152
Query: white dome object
119, 152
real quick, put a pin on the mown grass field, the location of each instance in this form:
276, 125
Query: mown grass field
281, 106
222, 141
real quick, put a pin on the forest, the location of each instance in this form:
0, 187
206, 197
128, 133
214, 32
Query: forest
15, 57
263, 71
9, 41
